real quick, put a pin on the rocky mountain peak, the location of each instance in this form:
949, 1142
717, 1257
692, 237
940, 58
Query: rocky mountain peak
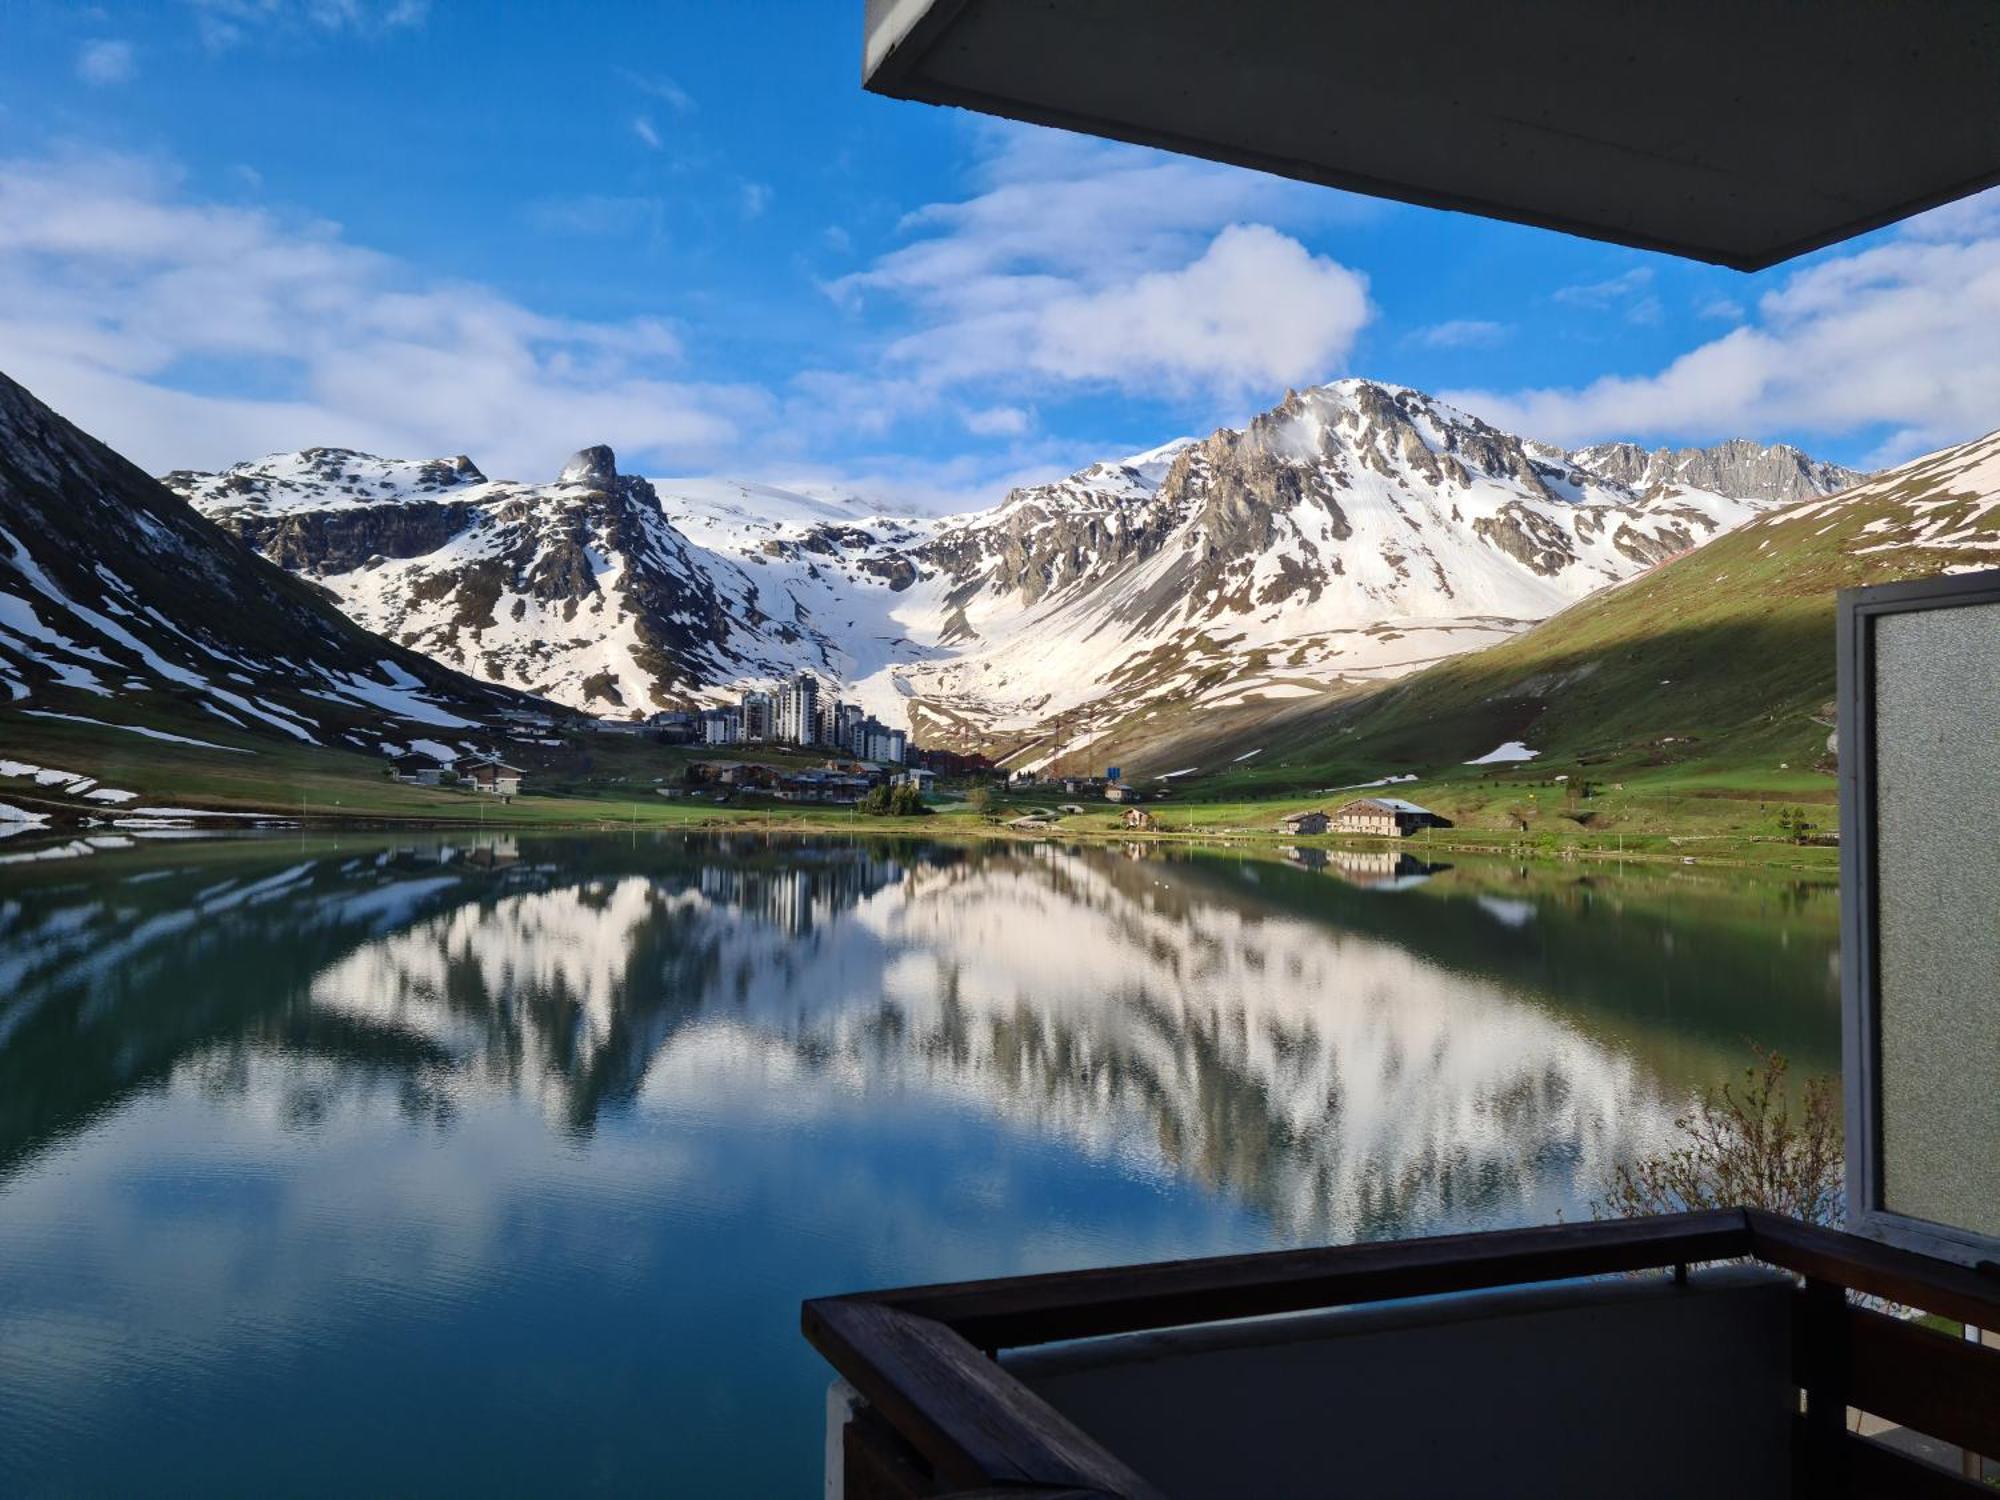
596, 465
1776, 472
1390, 430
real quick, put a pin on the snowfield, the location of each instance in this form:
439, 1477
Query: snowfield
1507, 754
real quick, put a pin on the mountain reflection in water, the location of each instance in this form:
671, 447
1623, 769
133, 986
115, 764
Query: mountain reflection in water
1237, 1052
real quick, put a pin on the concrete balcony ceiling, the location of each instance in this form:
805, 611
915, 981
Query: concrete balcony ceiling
1742, 132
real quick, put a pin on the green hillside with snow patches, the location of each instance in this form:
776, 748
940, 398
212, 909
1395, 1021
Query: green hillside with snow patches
1712, 673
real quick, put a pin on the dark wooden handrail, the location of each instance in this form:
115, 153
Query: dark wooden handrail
1901, 1276
1012, 1312
972, 1421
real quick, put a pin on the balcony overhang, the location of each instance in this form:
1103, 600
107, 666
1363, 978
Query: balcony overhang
1742, 133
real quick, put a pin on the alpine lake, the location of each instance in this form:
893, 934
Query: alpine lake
443, 1164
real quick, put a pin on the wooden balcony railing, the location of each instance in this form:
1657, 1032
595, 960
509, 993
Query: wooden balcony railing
944, 1417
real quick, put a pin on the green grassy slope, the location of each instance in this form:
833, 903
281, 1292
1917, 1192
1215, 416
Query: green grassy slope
588, 778
1711, 677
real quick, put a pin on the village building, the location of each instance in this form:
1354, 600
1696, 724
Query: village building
795, 710
822, 786
721, 726
494, 777
1390, 817
924, 781
1304, 824
1118, 791
1139, 818
851, 723
878, 743
418, 770
732, 773
673, 726
756, 711
952, 762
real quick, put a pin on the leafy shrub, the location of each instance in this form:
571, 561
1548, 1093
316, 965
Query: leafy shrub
899, 801
1744, 1149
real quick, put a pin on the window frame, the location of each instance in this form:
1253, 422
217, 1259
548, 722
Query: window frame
1860, 912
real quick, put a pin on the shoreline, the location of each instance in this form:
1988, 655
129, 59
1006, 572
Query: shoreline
1710, 849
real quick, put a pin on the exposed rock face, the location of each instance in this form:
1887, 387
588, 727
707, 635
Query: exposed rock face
1529, 537
1764, 471
595, 466
336, 541
1052, 536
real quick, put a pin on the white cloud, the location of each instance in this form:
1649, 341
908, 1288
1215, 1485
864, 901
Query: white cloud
1053, 205
113, 283
1896, 336
997, 421
752, 198
1628, 294
1722, 309
1606, 293
659, 86
1081, 262
643, 127
1462, 333
1255, 310
105, 62
225, 23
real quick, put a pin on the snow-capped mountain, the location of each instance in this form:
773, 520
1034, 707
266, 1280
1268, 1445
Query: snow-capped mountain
1354, 532
1737, 637
583, 590
119, 606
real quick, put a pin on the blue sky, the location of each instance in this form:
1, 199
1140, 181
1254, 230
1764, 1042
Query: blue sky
234, 226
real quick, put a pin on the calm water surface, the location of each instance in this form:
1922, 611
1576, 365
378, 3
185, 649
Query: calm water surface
502, 1166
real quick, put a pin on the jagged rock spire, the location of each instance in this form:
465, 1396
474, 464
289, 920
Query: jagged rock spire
594, 465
